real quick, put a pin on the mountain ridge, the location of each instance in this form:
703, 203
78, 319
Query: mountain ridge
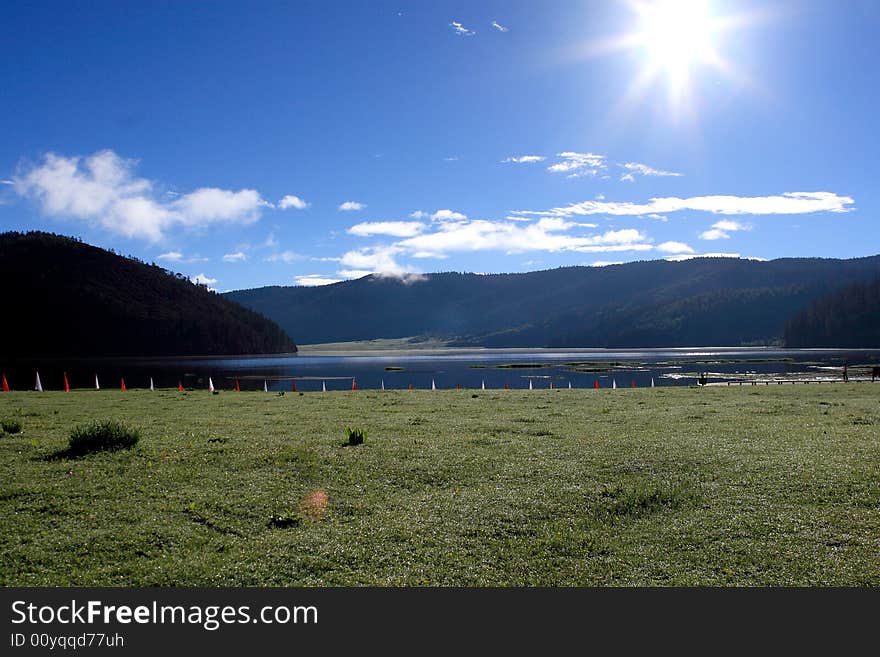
74, 299
648, 303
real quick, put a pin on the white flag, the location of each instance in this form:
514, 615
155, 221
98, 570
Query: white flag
652, 381
323, 386
383, 384
483, 387
433, 386
39, 386
613, 384
210, 384
265, 386
530, 385
151, 384
97, 386
569, 385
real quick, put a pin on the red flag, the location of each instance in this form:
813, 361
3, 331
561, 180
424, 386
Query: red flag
66, 385
180, 386
633, 384
5, 385
294, 386
596, 383
354, 384
122, 387
237, 387
411, 386
551, 385
507, 386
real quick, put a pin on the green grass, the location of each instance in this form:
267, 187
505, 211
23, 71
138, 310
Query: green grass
669, 486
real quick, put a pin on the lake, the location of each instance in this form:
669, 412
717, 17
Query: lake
449, 368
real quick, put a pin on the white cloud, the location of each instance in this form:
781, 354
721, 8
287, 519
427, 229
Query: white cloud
102, 190
579, 164
453, 158
644, 170
787, 203
286, 257
545, 235
313, 280
238, 256
604, 263
728, 224
721, 230
551, 224
351, 206
171, 256
354, 273
201, 279
498, 26
674, 247
209, 205
393, 228
418, 214
378, 260
460, 29
373, 259
524, 159
448, 215
291, 201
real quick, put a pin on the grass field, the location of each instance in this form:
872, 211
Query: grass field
665, 486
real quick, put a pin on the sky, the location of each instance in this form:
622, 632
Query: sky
304, 143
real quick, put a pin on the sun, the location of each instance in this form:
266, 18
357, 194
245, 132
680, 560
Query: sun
680, 44
676, 35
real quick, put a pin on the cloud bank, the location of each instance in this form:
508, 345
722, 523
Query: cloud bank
787, 203
103, 190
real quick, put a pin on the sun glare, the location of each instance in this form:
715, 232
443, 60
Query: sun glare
680, 44
676, 35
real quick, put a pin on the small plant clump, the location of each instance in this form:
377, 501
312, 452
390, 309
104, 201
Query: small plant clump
285, 520
11, 426
108, 435
355, 435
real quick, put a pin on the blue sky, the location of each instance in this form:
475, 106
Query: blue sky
252, 144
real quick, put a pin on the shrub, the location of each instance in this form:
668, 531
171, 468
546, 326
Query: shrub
11, 426
102, 436
355, 435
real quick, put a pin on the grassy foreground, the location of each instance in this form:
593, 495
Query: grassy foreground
666, 486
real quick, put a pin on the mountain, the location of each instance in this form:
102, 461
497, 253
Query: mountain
65, 298
702, 301
849, 317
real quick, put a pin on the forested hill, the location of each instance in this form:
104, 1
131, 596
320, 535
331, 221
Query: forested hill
849, 317
703, 301
65, 298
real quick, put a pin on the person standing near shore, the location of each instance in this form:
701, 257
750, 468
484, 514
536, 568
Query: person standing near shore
845, 375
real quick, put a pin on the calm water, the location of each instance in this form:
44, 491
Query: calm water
448, 369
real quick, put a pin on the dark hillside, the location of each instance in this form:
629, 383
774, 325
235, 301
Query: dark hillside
703, 301
847, 318
65, 298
